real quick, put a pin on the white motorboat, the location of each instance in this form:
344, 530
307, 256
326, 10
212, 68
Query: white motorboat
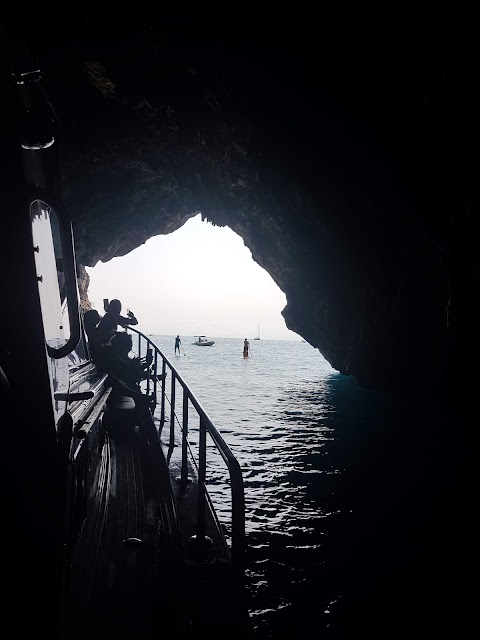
203, 341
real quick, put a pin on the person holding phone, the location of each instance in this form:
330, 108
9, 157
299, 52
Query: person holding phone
108, 325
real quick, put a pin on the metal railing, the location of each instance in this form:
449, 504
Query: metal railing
154, 380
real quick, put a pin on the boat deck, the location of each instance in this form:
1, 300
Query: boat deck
134, 574
127, 572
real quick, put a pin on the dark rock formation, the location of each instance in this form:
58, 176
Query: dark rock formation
338, 147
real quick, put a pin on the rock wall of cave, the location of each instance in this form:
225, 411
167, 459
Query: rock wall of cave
341, 151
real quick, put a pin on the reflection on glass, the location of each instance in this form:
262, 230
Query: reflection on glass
48, 259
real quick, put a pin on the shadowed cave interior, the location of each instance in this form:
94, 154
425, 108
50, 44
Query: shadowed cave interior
341, 151
338, 151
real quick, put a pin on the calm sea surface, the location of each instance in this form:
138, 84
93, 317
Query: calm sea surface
322, 514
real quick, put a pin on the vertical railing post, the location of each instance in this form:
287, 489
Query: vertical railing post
184, 474
139, 346
148, 373
202, 471
238, 518
162, 406
172, 412
155, 372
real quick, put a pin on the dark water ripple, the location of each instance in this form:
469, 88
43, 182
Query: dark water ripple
338, 487
276, 413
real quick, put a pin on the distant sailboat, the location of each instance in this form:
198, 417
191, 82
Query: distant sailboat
258, 333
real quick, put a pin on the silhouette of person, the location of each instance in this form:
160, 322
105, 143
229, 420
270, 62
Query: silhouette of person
246, 346
123, 368
91, 319
178, 342
126, 373
108, 325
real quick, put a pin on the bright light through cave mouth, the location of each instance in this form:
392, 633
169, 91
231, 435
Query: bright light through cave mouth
201, 279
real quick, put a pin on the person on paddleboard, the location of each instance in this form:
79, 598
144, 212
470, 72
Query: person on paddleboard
246, 346
178, 342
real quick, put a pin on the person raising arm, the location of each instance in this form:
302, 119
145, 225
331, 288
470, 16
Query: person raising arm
108, 325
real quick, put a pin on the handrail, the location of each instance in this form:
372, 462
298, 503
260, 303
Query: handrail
206, 425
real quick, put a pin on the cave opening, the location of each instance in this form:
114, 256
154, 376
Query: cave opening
198, 279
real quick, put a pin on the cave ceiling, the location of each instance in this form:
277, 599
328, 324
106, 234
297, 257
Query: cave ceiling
338, 148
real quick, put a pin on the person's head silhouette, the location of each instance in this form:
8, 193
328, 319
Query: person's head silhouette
90, 321
115, 306
122, 343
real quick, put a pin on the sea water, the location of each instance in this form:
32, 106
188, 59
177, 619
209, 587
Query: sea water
322, 466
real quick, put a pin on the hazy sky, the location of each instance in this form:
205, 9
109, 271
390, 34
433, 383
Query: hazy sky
199, 280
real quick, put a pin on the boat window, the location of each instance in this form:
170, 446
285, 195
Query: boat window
50, 276
79, 355
57, 247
